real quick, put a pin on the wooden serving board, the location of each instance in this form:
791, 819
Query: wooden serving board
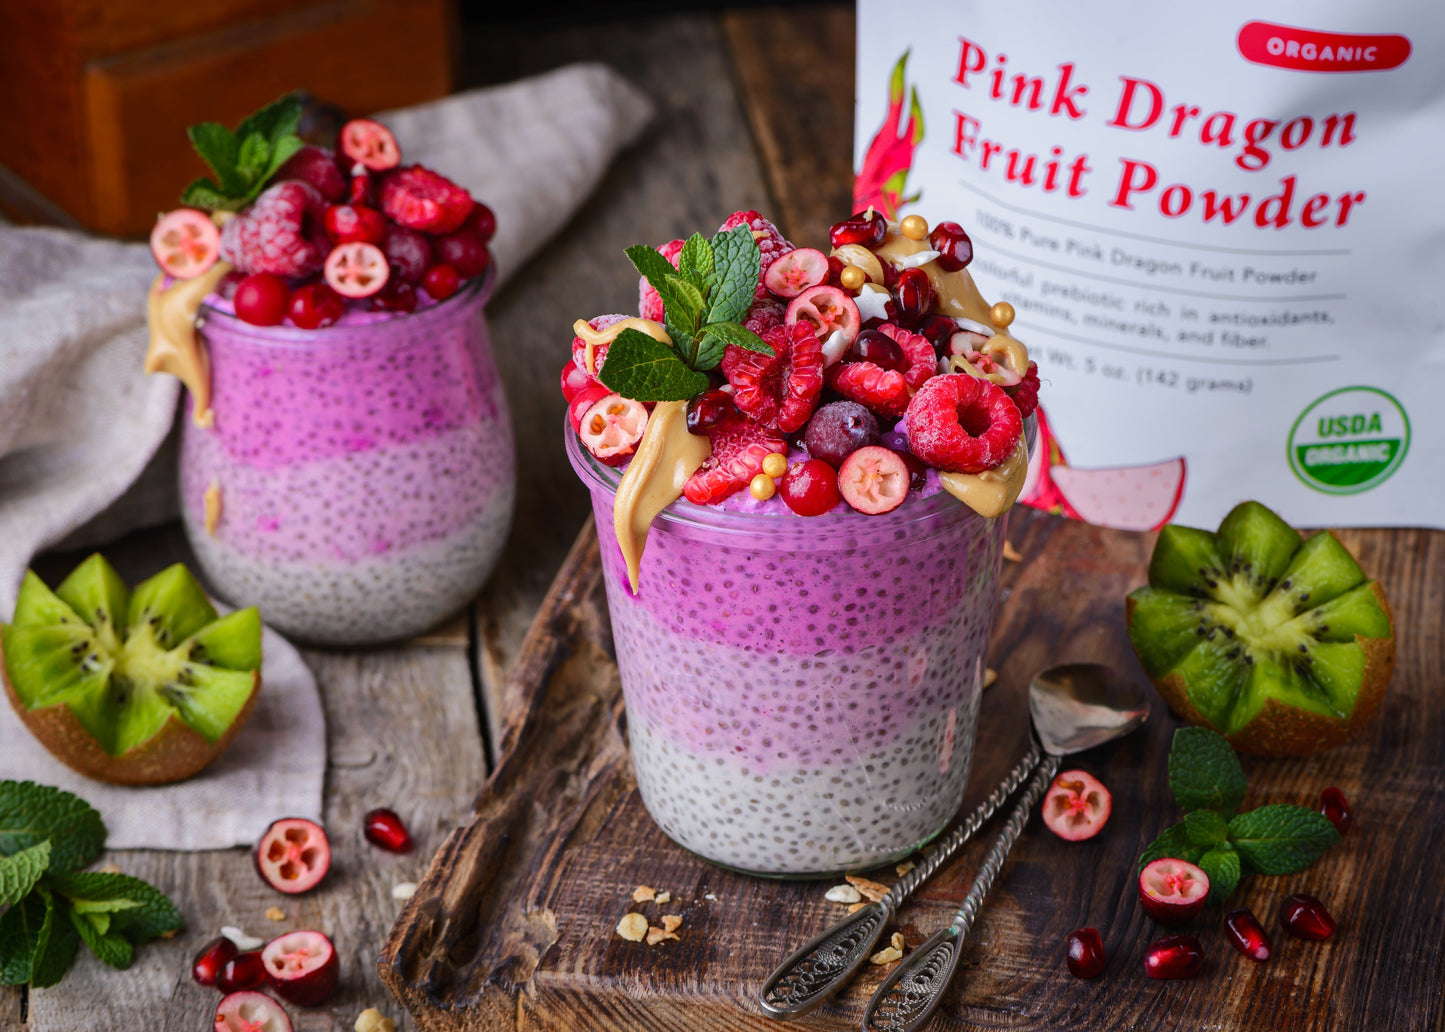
513, 925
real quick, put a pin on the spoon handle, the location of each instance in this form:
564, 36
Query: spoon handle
909, 996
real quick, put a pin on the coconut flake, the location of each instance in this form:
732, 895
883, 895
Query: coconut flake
243, 942
835, 347
871, 302
917, 258
403, 891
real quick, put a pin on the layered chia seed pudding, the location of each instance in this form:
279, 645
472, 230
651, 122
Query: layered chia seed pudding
800, 471
347, 461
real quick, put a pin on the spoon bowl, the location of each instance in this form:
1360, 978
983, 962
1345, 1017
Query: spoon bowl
1077, 706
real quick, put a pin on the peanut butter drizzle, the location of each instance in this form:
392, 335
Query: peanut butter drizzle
957, 294
212, 501
596, 338
666, 456
992, 492
174, 348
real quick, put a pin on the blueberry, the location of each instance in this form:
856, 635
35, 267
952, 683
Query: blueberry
838, 429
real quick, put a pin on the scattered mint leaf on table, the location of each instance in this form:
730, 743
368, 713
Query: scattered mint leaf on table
1204, 772
137, 909
1206, 828
19, 873
55, 949
1173, 842
111, 947
1280, 838
31, 814
1224, 870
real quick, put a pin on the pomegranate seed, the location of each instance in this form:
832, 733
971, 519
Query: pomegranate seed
915, 296
1336, 809
835, 271
707, 410
1086, 953
955, 249
1247, 934
384, 828
211, 959
361, 190
243, 971
866, 228
939, 329
877, 347
1306, 917
1174, 956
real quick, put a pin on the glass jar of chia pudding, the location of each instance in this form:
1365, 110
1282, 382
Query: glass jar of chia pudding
358, 480
801, 693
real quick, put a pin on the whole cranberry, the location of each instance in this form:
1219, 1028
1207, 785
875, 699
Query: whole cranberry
407, 252
261, 299
465, 250
349, 223
397, 296
482, 221
441, 282
315, 305
810, 488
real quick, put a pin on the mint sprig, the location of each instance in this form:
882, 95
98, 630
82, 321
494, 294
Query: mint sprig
1208, 782
703, 299
46, 835
243, 161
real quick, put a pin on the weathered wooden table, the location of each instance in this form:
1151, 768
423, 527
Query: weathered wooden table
753, 114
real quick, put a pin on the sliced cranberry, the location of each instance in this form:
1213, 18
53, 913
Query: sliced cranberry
1247, 934
796, 271
243, 971
294, 855
314, 306
1086, 953
868, 228
707, 410
482, 221
1336, 809
370, 143
1076, 806
212, 957
612, 428
185, 243
810, 488
261, 299
1306, 917
877, 347
1174, 956
955, 249
302, 967
251, 1012
356, 270
385, 829
1173, 891
583, 400
915, 296
874, 480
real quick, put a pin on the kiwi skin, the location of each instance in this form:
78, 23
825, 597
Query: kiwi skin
1279, 730
174, 753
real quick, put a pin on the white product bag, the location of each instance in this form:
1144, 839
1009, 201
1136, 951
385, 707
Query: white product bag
1221, 227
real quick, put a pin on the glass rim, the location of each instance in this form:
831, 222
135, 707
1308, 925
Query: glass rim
322, 336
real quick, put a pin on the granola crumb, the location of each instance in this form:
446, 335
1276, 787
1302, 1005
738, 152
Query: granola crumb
632, 927
108, 869
275, 914
1010, 552
656, 935
643, 893
709, 897
990, 675
842, 894
871, 889
372, 1020
886, 956
904, 868
897, 941
856, 907
663, 897
403, 891
671, 922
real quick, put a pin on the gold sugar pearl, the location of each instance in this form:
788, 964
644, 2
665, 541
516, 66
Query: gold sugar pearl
914, 227
763, 487
853, 277
776, 464
1001, 314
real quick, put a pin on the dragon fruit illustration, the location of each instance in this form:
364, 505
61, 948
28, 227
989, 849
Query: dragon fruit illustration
1122, 497
880, 181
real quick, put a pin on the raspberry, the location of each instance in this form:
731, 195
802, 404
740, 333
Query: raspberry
1025, 393
599, 353
418, 198
649, 304
886, 390
771, 242
778, 390
280, 233
739, 447
962, 424
317, 166
764, 315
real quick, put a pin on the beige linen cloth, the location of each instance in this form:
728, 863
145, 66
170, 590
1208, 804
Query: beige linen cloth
80, 422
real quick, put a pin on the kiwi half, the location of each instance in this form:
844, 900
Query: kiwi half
133, 688
1278, 642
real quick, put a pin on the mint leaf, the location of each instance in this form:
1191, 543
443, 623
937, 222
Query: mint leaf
1206, 828
219, 148
19, 935
19, 873
202, 193
740, 335
55, 949
696, 263
110, 947
1222, 866
278, 119
689, 300
657, 270
31, 813
139, 911
243, 161
737, 263
1204, 772
644, 369
1281, 838
1174, 842
253, 158
710, 351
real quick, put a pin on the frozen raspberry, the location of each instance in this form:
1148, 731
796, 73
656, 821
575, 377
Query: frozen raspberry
407, 252
599, 353
1026, 392
280, 233
764, 315
771, 242
317, 166
962, 424
739, 447
418, 198
780, 390
886, 390
649, 303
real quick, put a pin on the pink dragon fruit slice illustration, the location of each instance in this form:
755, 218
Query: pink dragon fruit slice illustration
1122, 497
880, 181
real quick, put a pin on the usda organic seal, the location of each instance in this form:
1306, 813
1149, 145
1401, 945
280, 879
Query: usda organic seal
1349, 440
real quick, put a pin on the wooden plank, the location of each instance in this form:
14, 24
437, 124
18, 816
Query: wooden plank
513, 924
402, 731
